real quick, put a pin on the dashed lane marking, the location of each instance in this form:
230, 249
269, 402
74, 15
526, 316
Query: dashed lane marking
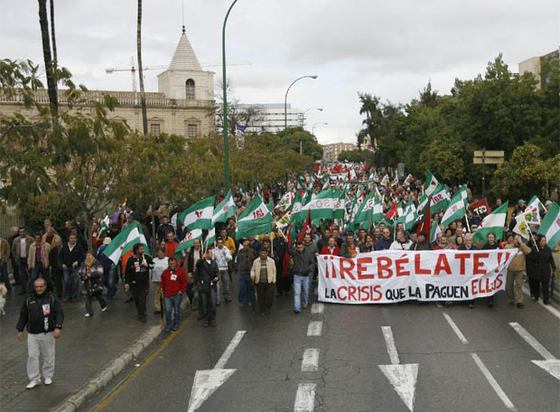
305, 398
310, 361
455, 328
315, 328
317, 308
493, 383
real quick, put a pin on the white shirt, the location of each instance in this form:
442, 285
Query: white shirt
22, 247
159, 266
221, 256
396, 245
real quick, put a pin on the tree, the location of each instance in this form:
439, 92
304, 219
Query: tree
47, 57
140, 68
526, 173
443, 157
356, 156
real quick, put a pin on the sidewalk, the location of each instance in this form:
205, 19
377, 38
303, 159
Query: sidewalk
85, 347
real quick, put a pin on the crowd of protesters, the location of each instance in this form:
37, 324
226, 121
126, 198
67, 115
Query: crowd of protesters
62, 264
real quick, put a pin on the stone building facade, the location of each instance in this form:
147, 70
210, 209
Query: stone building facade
183, 105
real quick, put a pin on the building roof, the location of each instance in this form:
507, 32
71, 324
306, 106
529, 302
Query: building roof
184, 58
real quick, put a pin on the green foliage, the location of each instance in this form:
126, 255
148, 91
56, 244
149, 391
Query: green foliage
527, 173
366, 156
499, 110
85, 163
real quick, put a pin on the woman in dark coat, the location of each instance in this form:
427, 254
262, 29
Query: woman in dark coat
533, 269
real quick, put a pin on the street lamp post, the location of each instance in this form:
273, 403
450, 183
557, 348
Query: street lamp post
225, 126
314, 76
318, 124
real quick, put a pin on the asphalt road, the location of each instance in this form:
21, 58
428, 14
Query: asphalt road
466, 360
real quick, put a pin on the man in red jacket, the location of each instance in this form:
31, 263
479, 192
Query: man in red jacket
331, 248
173, 285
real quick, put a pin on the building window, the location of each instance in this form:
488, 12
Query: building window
155, 129
192, 130
189, 87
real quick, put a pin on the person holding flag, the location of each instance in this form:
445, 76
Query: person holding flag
222, 256
137, 278
516, 270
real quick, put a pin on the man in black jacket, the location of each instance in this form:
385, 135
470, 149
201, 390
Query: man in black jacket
137, 278
206, 279
489, 245
42, 314
72, 256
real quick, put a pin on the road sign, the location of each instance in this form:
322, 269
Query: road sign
488, 157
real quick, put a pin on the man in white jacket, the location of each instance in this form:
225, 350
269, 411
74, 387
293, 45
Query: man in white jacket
222, 256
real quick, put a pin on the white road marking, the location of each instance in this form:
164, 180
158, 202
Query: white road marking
305, 398
229, 350
206, 382
402, 377
317, 308
315, 328
310, 361
390, 343
535, 344
550, 308
455, 328
495, 385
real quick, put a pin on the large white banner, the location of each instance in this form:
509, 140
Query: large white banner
390, 276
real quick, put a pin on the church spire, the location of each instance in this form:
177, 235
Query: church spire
184, 58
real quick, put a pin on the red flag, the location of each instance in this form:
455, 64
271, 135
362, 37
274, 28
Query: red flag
424, 226
392, 212
480, 207
307, 228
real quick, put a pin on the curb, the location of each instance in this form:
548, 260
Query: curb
112, 369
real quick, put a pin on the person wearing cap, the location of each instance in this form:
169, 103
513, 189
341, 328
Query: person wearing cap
516, 269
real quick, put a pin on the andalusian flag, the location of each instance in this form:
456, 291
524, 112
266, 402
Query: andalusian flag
199, 215
377, 211
210, 237
255, 220
224, 210
550, 226
104, 224
423, 201
324, 205
339, 211
125, 241
456, 209
440, 199
188, 241
531, 212
285, 202
493, 223
431, 183
295, 209
410, 216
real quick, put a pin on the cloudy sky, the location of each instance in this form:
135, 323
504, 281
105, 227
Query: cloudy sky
391, 49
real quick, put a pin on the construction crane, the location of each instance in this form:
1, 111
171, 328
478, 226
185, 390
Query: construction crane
132, 69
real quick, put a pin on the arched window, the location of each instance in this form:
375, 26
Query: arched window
189, 87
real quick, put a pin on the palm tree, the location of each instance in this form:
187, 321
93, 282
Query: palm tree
140, 70
54, 52
47, 57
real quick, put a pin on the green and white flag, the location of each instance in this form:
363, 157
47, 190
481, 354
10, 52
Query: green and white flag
324, 205
224, 210
456, 209
550, 226
255, 220
210, 237
296, 215
125, 241
339, 211
285, 202
532, 210
493, 223
377, 214
423, 201
400, 210
434, 231
188, 241
409, 216
431, 183
104, 224
440, 199
199, 215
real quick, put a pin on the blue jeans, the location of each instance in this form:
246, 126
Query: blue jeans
71, 284
245, 288
172, 304
110, 281
299, 282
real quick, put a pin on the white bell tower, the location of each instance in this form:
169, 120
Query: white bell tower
184, 79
